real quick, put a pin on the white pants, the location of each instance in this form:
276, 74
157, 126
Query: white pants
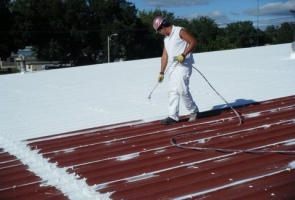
179, 76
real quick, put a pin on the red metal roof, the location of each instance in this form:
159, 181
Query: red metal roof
136, 160
16, 182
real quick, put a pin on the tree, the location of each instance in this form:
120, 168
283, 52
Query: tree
241, 34
220, 43
76, 29
81, 43
40, 24
205, 30
7, 44
150, 40
285, 33
270, 34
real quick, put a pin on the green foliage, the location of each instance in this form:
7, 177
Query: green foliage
77, 30
270, 34
40, 24
7, 44
241, 34
205, 30
220, 43
285, 33
150, 41
280, 34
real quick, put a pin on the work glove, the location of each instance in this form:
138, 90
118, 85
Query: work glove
180, 58
161, 77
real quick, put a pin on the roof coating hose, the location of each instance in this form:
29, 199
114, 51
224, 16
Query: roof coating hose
174, 61
224, 150
227, 150
238, 115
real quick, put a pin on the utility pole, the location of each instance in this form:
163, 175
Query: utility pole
109, 38
257, 25
293, 13
293, 43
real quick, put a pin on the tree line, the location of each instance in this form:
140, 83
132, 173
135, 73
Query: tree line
78, 31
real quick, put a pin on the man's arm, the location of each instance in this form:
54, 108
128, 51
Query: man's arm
164, 60
185, 35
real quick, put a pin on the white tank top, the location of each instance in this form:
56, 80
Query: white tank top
175, 46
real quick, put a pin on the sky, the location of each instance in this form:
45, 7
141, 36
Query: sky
271, 12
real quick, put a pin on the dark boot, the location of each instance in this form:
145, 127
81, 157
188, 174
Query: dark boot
168, 121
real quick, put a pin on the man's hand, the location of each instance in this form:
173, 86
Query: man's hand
180, 58
161, 77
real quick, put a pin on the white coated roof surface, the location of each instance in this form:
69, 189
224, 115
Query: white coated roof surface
56, 101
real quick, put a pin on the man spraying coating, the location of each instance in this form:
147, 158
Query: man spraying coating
178, 45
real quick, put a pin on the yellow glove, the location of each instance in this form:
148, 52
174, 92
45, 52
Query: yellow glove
180, 58
161, 77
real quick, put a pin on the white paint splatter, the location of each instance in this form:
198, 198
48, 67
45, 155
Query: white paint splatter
228, 185
265, 126
160, 151
252, 115
127, 156
203, 140
49, 173
222, 160
141, 177
292, 165
290, 142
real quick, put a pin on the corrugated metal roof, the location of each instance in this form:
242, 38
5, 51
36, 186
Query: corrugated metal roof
136, 160
58, 101
17, 182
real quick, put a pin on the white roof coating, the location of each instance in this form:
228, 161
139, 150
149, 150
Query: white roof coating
56, 101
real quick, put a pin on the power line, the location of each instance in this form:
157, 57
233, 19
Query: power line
129, 29
70, 31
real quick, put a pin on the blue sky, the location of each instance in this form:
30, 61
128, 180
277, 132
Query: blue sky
226, 11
